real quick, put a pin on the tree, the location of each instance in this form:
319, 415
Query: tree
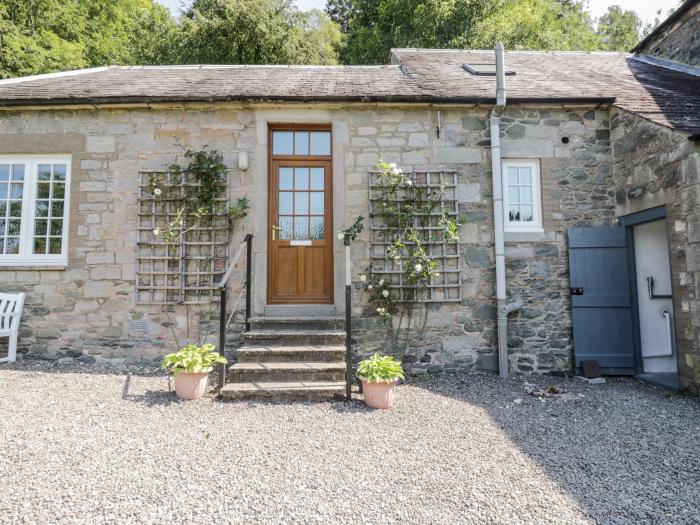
375, 26
619, 29
41, 36
256, 32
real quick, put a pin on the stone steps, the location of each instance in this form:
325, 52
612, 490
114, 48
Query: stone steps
285, 390
289, 358
299, 371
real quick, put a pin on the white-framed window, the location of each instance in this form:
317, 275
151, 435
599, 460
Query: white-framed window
34, 204
522, 197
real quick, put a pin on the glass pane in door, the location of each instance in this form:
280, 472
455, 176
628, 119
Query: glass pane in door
301, 211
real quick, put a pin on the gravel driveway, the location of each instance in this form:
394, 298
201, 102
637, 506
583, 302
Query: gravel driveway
89, 445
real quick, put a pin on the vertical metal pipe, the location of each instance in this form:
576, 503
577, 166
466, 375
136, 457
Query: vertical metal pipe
348, 323
222, 336
248, 279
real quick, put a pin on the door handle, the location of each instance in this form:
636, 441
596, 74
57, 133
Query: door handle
275, 229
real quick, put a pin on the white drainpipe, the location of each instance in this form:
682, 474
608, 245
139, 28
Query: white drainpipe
504, 308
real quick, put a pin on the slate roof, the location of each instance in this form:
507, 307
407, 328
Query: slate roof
663, 95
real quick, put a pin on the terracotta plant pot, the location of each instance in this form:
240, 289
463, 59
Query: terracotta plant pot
379, 394
191, 385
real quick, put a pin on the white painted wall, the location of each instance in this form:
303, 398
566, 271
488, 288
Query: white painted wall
652, 259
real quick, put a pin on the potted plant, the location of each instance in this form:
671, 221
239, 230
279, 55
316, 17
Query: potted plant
379, 375
191, 366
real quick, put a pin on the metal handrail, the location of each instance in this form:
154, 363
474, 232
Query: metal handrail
348, 322
222, 287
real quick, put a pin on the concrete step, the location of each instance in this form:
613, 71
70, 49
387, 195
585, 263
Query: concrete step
294, 337
284, 391
287, 371
297, 323
255, 353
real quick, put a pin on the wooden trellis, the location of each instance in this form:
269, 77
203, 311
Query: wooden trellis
446, 287
184, 270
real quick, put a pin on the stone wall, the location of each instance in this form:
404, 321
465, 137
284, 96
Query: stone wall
576, 191
84, 310
655, 166
680, 42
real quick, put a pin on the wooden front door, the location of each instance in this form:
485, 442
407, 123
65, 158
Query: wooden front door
300, 239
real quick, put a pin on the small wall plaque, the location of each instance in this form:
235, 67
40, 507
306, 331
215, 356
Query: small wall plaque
300, 243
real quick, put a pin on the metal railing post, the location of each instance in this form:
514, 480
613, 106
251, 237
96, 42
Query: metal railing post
222, 336
348, 324
248, 278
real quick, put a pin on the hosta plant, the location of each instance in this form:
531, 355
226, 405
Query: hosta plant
380, 368
193, 359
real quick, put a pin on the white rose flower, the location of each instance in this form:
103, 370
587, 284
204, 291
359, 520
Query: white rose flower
392, 166
395, 171
381, 282
363, 278
409, 182
437, 274
156, 232
157, 192
400, 170
369, 286
419, 267
341, 236
385, 293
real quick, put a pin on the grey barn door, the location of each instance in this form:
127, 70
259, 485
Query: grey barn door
601, 299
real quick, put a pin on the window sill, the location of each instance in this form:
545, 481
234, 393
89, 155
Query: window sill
524, 235
32, 266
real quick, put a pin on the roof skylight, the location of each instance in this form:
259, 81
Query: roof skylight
487, 70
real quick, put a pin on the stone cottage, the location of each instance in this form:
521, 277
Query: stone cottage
595, 222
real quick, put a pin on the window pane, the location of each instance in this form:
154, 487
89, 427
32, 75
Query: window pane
13, 226
39, 245
301, 228
12, 245
43, 190
56, 227
513, 194
59, 190
512, 176
525, 195
3, 190
2, 228
3, 209
513, 213
282, 143
301, 143
18, 172
4, 172
317, 202
526, 213
55, 245
42, 208
525, 176
56, 208
285, 205
40, 227
44, 172
286, 225
59, 172
301, 203
15, 209
317, 228
301, 178
320, 143
317, 178
16, 190
286, 178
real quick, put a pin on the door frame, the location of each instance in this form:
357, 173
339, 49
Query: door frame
629, 222
272, 161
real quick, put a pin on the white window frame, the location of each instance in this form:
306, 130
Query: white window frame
521, 226
25, 257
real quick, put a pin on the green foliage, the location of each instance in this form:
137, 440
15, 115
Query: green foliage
619, 29
42, 36
193, 359
351, 233
380, 368
373, 27
256, 32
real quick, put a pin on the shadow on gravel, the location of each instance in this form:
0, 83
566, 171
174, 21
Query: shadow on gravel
150, 397
626, 452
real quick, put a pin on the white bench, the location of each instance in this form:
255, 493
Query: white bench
10, 313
